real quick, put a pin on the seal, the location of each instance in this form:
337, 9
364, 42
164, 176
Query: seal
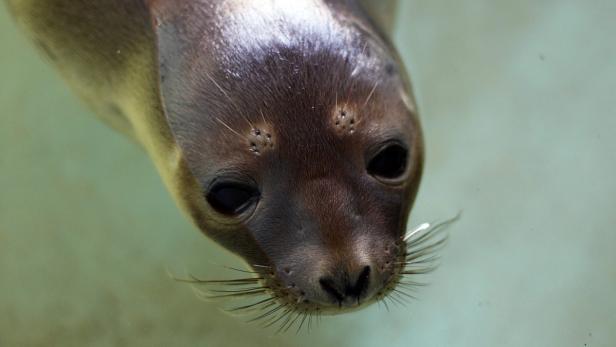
287, 131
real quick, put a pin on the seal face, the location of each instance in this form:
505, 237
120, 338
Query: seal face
300, 132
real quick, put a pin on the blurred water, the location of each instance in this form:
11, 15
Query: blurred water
517, 101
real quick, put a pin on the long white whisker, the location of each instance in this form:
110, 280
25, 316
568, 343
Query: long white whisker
371, 92
432, 227
230, 129
228, 97
419, 228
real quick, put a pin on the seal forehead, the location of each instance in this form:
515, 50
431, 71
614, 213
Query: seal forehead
314, 76
256, 28
248, 18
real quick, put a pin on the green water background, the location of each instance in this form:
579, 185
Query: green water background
518, 102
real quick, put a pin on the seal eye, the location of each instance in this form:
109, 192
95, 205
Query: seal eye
389, 163
231, 198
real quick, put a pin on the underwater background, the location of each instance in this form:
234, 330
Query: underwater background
518, 104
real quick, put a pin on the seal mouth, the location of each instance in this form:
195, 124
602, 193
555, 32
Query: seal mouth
267, 301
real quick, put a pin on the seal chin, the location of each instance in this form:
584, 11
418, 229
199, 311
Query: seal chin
347, 305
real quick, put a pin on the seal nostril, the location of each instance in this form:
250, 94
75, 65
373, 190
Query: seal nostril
343, 287
363, 281
329, 286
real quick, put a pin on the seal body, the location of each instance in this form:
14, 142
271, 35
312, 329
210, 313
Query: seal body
286, 130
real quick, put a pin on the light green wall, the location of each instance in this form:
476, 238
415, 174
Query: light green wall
518, 107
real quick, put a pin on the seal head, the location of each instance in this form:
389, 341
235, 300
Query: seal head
303, 137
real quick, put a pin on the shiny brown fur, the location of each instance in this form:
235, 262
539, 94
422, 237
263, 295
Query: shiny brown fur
294, 99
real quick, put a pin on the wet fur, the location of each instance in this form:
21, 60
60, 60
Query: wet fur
163, 73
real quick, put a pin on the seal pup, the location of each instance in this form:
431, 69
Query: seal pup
286, 130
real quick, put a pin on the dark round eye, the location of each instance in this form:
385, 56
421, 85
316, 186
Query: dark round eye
231, 198
389, 163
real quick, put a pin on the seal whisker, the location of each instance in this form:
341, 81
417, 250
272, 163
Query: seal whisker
420, 264
295, 320
363, 49
259, 308
423, 243
309, 321
242, 270
276, 318
378, 302
420, 259
403, 293
431, 227
244, 290
423, 259
395, 299
412, 284
425, 251
230, 99
235, 295
233, 280
297, 315
420, 242
250, 306
419, 271
384, 300
428, 257
230, 129
261, 316
336, 101
200, 295
301, 324
417, 229
263, 116
422, 271
407, 288
238, 282
417, 264
423, 239
371, 92
230, 282
232, 285
424, 247
287, 317
402, 301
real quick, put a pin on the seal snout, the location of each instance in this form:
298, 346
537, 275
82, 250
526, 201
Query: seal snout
347, 289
